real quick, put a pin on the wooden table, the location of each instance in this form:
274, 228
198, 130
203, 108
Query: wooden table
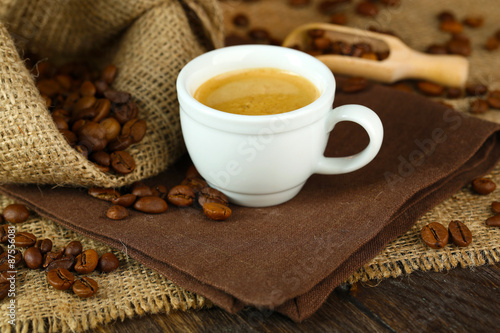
460, 300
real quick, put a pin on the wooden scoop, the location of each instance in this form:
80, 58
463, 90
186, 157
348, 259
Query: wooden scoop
402, 62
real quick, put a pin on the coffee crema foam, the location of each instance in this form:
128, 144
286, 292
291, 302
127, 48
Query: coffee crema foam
257, 91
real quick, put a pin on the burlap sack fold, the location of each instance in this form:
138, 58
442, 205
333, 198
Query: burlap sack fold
149, 41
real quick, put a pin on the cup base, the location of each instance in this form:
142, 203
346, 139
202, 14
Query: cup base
260, 200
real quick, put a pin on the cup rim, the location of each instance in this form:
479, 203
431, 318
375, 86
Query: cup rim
297, 118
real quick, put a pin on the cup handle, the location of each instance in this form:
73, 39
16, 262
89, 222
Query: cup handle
372, 125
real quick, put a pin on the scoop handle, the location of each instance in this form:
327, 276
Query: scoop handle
448, 70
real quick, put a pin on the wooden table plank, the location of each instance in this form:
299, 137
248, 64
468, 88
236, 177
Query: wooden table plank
461, 300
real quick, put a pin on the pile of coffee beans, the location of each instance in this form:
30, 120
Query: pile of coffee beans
193, 191
96, 120
39, 254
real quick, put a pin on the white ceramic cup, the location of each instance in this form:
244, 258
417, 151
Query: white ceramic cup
260, 161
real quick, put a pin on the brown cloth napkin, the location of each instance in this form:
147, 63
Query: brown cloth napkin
290, 257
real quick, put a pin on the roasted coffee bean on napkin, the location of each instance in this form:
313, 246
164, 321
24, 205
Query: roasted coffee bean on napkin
290, 257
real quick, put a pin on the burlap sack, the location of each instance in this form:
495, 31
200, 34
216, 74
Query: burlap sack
149, 41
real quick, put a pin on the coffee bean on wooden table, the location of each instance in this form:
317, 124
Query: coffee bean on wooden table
151, 205
142, 190
117, 212
15, 213
33, 257
85, 287
435, 235
483, 185
24, 239
87, 261
73, 248
459, 233
217, 211
122, 162
181, 196
108, 262
60, 278
209, 194
493, 221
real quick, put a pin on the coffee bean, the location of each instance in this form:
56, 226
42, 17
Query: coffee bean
459, 233
452, 92
49, 257
437, 49
241, 20
73, 248
120, 143
93, 136
85, 102
125, 112
45, 245
122, 162
329, 6
117, 212
495, 207
109, 73
102, 193
85, 287
196, 184
33, 257
161, 191
60, 122
142, 190
366, 8
474, 21
492, 43
259, 35
125, 200
446, 16
87, 89
430, 88
493, 221
483, 186
181, 196
64, 262
82, 150
192, 172
15, 213
118, 97
69, 136
101, 86
476, 89
5, 282
493, 99
101, 158
60, 278
49, 87
108, 262
434, 235
479, 106
135, 128
451, 26
9, 260
24, 239
4, 233
65, 81
460, 47
151, 205
216, 211
112, 127
354, 84
209, 194
338, 18
101, 109
322, 43
87, 261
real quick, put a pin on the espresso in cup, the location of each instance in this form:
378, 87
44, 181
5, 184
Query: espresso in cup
257, 91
